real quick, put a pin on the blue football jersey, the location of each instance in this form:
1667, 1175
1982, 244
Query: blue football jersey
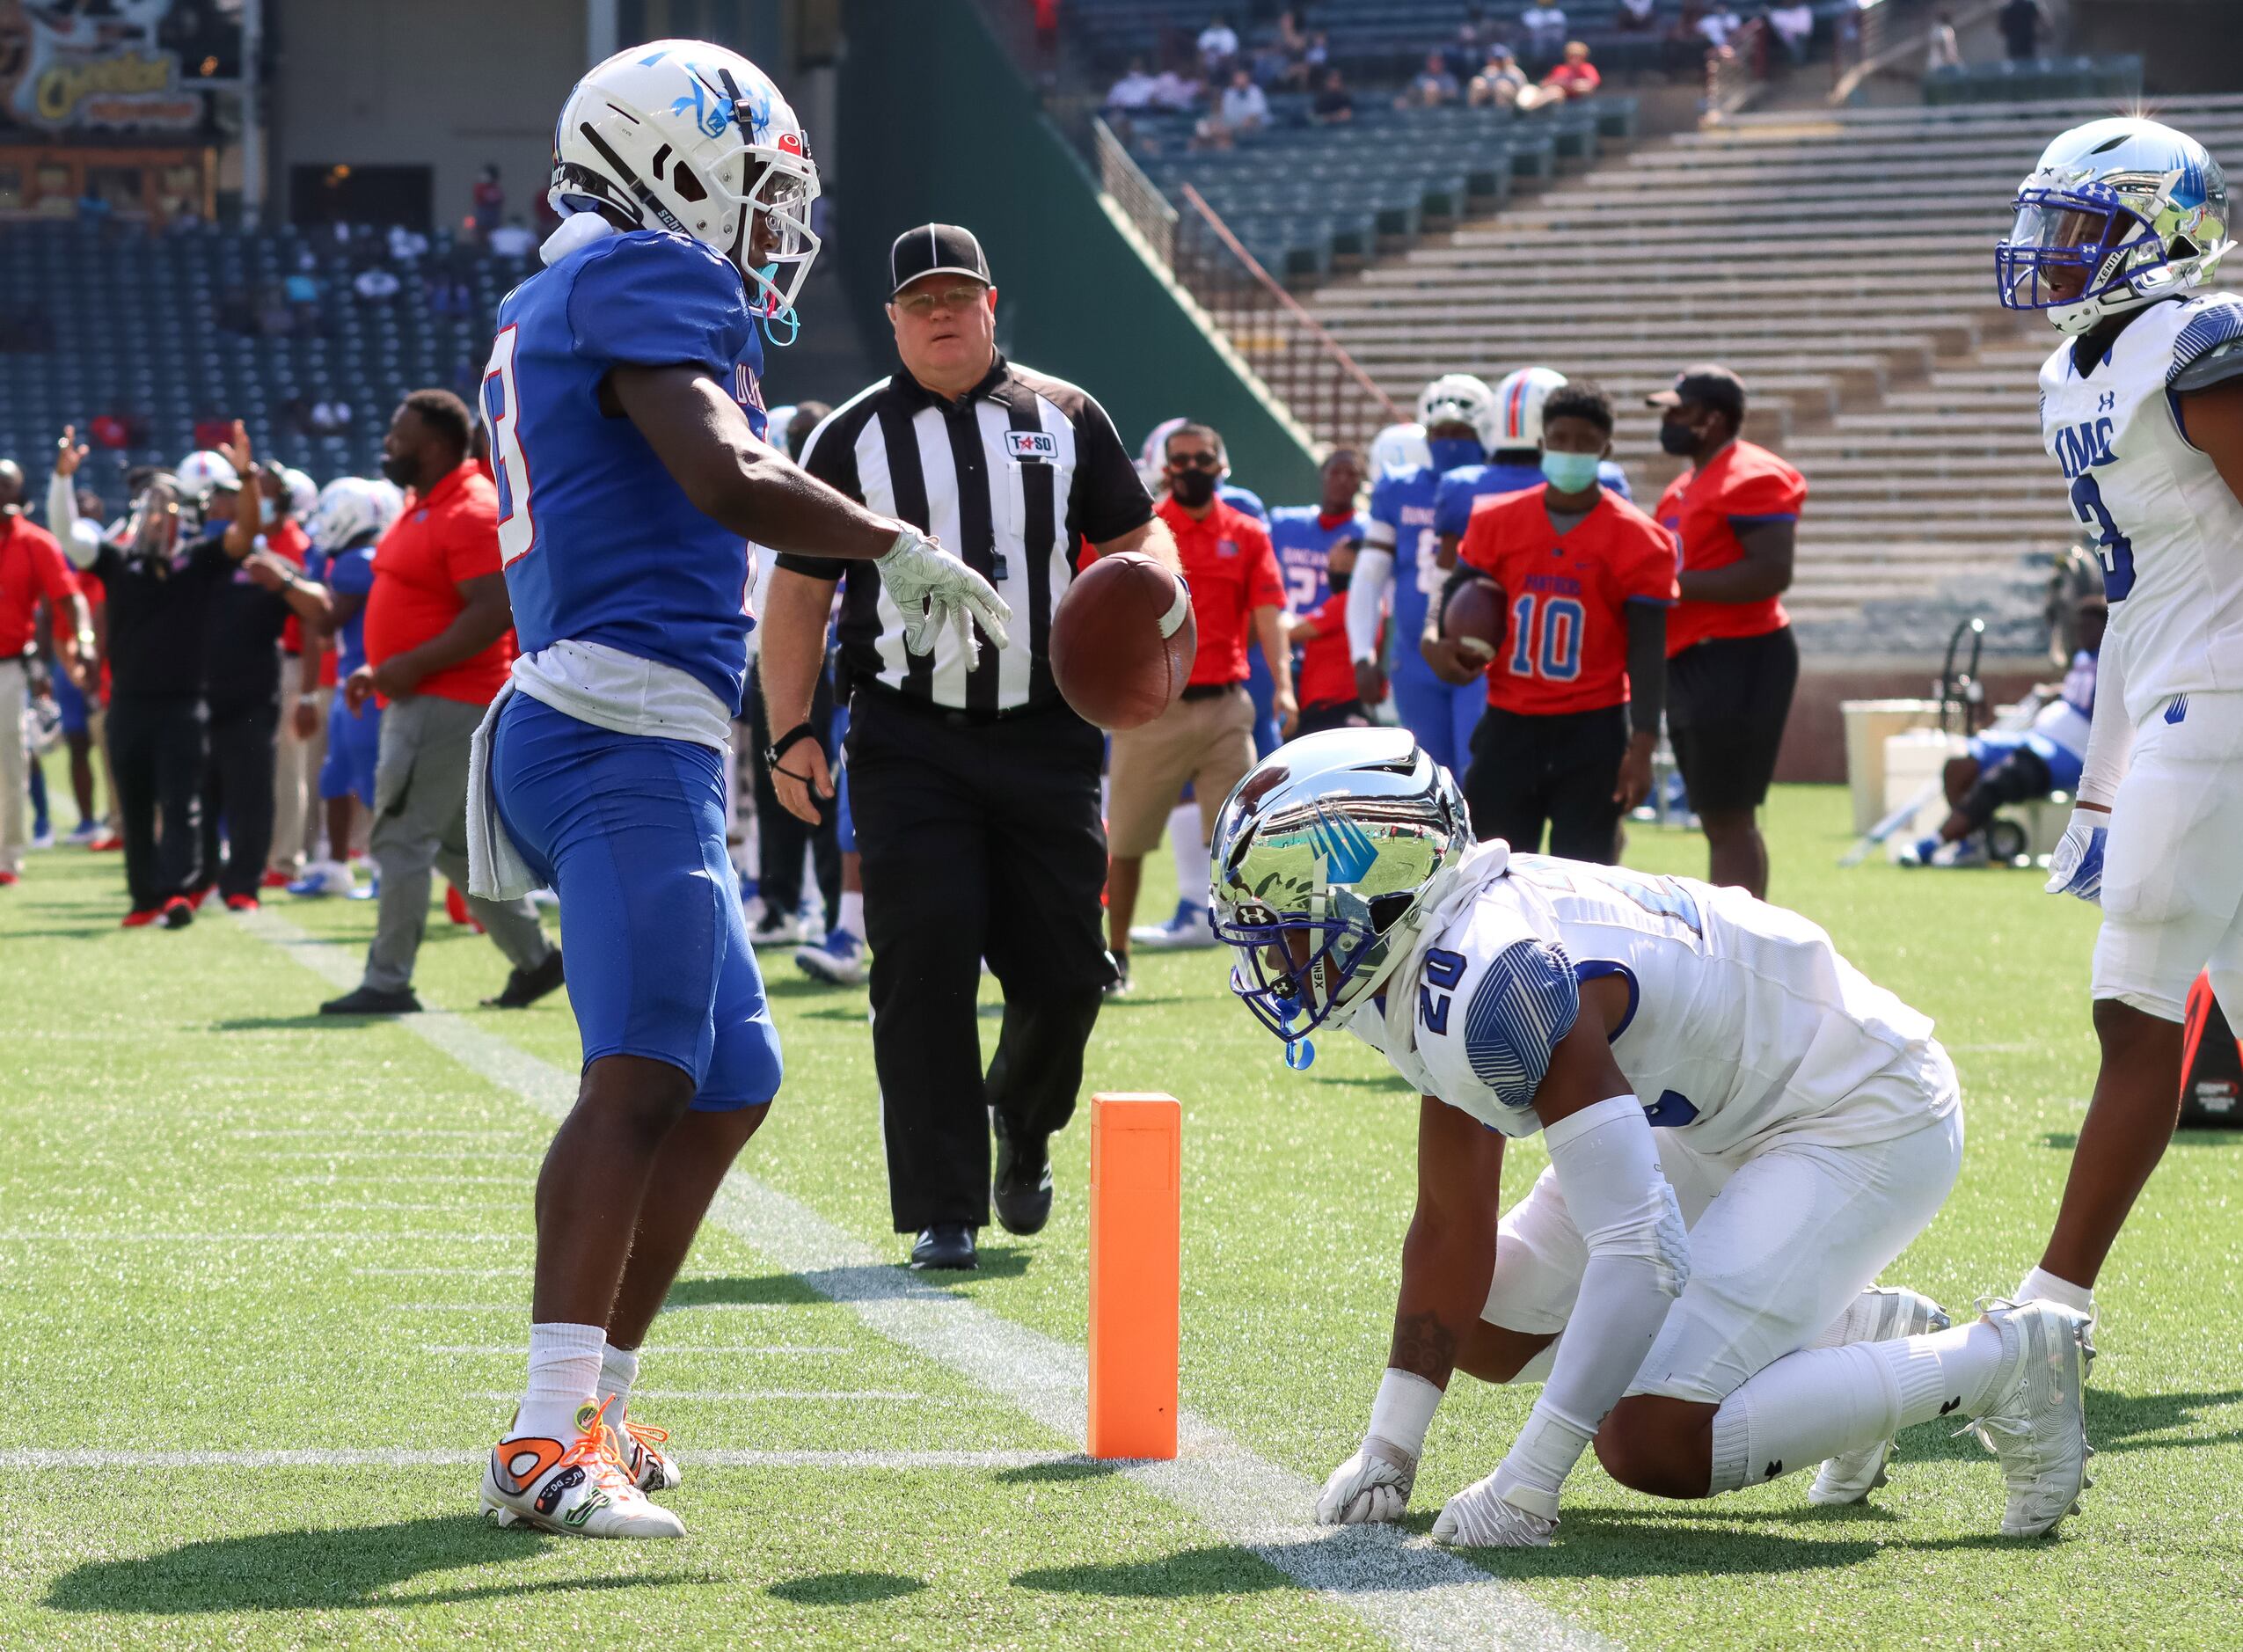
1402, 498
599, 543
350, 574
1304, 547
1467, 485
1243, 498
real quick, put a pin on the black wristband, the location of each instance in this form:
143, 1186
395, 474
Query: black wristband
787, 741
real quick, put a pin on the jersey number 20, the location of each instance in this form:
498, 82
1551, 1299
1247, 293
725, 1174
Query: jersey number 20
502, 413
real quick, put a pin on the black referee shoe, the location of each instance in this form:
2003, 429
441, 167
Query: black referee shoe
945, 1246
525, 987
1021, 1188
372, 1001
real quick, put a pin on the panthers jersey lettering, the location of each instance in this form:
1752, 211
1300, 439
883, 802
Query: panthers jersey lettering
2168, 530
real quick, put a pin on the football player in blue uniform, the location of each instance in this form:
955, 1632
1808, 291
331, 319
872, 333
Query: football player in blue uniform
626, 424
1402, 548
1515, 463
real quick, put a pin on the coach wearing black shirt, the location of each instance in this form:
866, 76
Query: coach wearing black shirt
973, 788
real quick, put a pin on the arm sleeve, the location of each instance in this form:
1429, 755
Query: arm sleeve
1647, 666
2110, 735
1524, 1003
832, 458
1366, 597
659, 301
1452, 502
1110, 497
1383, 533
62, 507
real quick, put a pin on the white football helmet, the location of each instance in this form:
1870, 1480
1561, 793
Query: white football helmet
205, 472
1459, 398
690, 137
2118, 213
1519, 406
350, 511
302, 494
1399, 447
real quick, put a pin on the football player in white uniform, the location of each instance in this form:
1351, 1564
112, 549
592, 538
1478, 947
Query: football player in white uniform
1524, 993
2118, 229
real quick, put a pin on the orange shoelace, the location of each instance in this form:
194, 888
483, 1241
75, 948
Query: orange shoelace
594, 1452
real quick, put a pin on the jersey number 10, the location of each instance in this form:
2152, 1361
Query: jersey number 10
502, 413
1545, 637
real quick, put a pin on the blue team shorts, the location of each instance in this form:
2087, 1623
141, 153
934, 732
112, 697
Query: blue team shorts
844, 823
629, 831
69, 701
1261, 689
1443, 716
2063, 766
353, 745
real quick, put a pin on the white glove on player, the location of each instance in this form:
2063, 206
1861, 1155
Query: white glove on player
1371, 1487
1482, 1516
934, 589
2077, 866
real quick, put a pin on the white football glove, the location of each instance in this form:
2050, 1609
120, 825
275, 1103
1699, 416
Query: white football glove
934, 589
1481, 1517
2077, 866
1371, 1487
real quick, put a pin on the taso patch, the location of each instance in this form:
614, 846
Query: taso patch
1032, 446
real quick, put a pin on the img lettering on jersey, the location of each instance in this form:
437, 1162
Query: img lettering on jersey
2080, 447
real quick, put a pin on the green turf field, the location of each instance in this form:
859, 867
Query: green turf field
230, 1230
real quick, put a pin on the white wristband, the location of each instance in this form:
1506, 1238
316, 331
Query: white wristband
1403, 1410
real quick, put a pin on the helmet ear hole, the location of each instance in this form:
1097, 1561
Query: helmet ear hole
688, 185
1386, 910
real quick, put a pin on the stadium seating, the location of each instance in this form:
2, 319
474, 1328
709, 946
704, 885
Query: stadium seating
1842, 264
137, 329
2035, 79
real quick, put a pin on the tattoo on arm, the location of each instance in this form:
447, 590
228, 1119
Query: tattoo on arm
1424, 1346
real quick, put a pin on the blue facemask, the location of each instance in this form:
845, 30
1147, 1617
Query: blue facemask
1450, 451
1570, 473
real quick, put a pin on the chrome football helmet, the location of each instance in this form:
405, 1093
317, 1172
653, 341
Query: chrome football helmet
2118, 213
1326, 860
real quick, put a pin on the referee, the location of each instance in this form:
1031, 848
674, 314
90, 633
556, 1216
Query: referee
975, 789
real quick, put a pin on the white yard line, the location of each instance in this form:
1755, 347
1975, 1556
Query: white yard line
297, 1236
521, 1351
33, 1460
1416, 1594
757, 1396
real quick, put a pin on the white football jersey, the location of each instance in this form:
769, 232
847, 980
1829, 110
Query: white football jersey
2169, 529
1742, 1020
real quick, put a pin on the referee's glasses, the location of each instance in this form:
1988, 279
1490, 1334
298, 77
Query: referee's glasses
964, 296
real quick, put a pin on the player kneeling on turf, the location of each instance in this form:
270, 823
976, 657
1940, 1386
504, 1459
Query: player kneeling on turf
1522, 992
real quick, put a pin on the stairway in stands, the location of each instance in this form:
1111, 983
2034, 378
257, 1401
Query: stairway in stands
1842, 264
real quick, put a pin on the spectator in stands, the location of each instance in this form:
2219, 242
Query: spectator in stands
1316, 59
110, 432
1942, 50
1795, 26
212, 432
1545, 30
489, 200
2023, 24
407, 245
1575, 78
1463, 55
1135, 89
436, 651
1732, 662
1430, 87
1244, 106
1636, 16
331, 418
375, 285
1718, 24
513, 239
1218, 44
1175, 91
1499, 81
302, 289
1333, 105
1291, 47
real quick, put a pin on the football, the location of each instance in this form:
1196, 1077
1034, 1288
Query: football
1122, 639
1474, 618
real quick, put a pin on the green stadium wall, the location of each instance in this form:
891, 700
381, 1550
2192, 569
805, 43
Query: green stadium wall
938, 126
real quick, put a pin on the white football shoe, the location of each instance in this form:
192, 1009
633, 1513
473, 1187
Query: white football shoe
577, 1488
1883, 1313
2035, 1420
638, 1448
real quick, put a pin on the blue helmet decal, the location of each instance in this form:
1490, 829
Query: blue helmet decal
1346, 847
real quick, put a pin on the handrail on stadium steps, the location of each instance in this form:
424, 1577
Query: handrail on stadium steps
1876, 59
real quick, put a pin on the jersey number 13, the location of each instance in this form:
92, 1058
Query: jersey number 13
509, 466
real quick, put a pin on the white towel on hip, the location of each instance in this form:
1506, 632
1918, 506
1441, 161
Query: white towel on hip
495, 868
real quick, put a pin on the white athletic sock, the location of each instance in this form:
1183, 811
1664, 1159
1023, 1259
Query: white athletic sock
1190, 852
564, 1370
619, 1369
852, 913
2040, 1285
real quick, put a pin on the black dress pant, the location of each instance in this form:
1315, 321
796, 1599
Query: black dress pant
1557, 771
156, 748
237, 791
780, 836
980, 840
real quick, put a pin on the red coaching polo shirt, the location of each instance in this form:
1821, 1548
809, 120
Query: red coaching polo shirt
1566, 643
31, 566
1232, 571
1741, 483
440, 540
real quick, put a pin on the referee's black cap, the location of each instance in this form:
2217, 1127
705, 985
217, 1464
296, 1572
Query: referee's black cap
936, 249
1705, 386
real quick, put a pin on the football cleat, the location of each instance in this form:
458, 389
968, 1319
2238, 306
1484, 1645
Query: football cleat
577, 1488
43, 839
85, 835
840, 963
1187, 931
777, 929
322, 878
2035, 1421
650, 1468
1880, 1315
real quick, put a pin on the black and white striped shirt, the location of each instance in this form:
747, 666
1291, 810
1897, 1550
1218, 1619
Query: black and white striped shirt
1014, 475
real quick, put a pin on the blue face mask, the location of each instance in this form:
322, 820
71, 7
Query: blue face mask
1570, 473
1450, 451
